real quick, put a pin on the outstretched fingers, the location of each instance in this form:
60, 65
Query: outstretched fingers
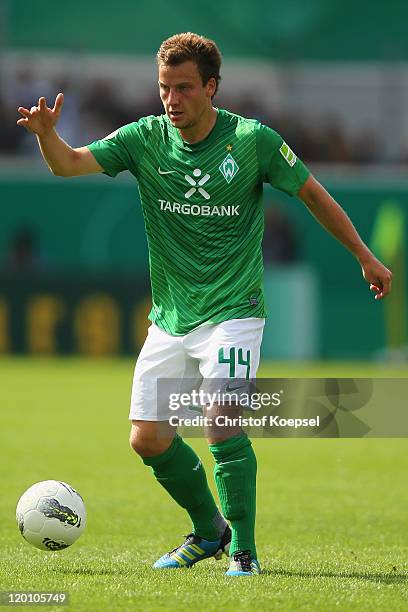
24, 111
59, 101
40, 119
26, 115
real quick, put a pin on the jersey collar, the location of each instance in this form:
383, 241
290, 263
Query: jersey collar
201, 144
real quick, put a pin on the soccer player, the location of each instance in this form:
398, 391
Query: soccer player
200, 171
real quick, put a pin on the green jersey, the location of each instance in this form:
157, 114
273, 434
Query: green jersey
202, 206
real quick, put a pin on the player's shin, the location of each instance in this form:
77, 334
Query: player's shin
235, 477
180, 471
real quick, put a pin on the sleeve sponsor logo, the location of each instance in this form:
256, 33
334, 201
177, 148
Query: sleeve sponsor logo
288, 154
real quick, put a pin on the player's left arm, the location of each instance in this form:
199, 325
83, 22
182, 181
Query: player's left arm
334, 219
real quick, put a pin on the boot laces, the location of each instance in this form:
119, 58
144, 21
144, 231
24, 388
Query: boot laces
190, 538
244, 559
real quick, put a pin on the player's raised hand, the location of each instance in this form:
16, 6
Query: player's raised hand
378, 276
41, 119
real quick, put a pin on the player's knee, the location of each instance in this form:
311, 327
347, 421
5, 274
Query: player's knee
135, 442
147, 443
146, 447
140, 444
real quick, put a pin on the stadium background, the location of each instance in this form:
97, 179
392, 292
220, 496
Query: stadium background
73, 254
332, 77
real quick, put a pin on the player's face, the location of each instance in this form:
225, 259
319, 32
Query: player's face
185, 99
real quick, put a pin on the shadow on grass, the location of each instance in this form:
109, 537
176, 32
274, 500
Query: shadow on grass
391, 578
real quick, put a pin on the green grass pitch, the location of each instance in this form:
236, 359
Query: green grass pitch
332, 525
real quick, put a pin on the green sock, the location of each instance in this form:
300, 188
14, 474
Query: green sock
235, 477
180, 471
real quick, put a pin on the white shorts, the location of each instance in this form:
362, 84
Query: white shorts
226, 350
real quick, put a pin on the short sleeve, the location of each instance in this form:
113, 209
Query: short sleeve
121, 150
278, 164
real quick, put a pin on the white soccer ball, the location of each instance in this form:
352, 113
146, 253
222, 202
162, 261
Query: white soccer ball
51, 515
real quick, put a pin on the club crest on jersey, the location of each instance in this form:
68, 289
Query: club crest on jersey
288, 154
229, 168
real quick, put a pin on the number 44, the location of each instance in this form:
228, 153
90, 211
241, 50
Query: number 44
233, 361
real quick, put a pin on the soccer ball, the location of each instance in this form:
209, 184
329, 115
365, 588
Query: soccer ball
51, 515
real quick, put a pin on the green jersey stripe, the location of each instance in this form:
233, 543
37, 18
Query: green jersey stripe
202, 208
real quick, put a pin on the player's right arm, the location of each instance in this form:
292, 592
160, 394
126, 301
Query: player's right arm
61, 159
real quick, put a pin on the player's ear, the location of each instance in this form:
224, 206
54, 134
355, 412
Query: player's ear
211, 86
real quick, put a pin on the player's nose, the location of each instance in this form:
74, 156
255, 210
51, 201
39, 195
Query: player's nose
173, 98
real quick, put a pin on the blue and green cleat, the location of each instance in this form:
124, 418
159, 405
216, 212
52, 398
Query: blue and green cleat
243, 564
194, 549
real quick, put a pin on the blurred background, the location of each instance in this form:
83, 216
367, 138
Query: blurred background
73, 255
